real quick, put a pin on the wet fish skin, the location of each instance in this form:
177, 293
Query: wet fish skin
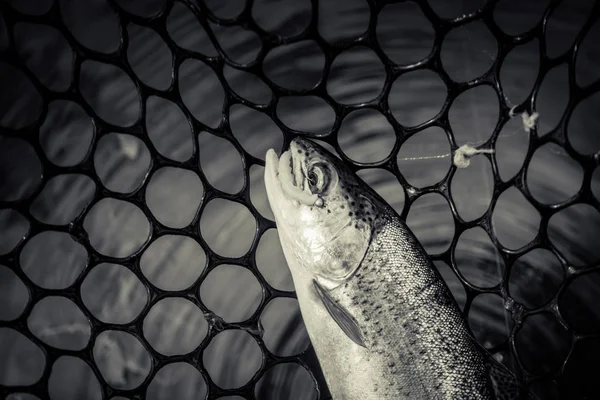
411, 324
382, 320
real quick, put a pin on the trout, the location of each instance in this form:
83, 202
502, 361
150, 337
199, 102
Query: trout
381, 319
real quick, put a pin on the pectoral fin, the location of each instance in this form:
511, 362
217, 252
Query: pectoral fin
340, 315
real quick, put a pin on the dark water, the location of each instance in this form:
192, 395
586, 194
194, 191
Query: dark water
175, 326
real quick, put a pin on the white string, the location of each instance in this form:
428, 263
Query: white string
463, 154
425, 157
529, 121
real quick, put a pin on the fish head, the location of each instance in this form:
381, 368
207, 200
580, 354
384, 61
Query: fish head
324, 213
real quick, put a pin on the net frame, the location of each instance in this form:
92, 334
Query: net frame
269, 41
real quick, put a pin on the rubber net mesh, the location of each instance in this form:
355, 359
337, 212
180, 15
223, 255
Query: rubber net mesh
112, 382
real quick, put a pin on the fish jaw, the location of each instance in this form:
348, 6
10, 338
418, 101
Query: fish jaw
321, 229
272, 183
294, 224
282, 207
346, 365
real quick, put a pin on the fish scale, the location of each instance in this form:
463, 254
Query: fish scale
425, 346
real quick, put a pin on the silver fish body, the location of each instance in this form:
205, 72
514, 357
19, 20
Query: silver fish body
382, 320
418, 341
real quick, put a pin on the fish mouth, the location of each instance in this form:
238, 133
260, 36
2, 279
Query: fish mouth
288, 171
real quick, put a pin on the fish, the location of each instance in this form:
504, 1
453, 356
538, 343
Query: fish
381, 319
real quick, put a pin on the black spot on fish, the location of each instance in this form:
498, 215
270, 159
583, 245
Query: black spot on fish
391, 364
342, 207
364, 220
299, 151
352, 203
328, 211
356, 226
346, 197
350, 214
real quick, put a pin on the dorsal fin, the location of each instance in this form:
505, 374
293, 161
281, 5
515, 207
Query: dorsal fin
340, 315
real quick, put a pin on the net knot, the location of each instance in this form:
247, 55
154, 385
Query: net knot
462, 155
529, 121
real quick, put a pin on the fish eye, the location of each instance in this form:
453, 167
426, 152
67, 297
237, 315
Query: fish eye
317, 178
312, 178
